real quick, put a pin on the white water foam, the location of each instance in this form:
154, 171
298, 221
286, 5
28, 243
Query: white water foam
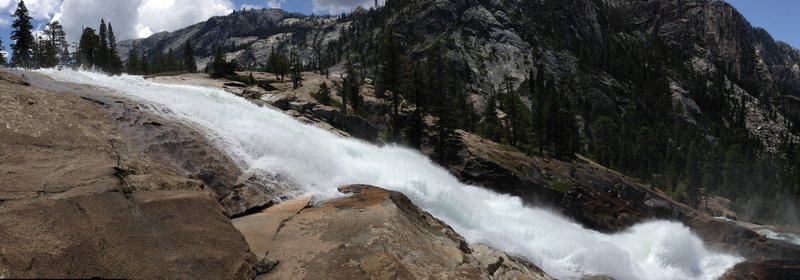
783, 236
266, 140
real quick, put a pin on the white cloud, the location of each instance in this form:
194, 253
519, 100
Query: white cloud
130, 18
168, 15
275, 4
37, 9
340, 6
76, 14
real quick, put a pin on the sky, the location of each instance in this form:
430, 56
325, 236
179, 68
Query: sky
780, 17
140, 18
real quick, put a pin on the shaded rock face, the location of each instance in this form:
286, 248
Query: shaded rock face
80, 199
485, 164
602, 199
714, 30
379, 234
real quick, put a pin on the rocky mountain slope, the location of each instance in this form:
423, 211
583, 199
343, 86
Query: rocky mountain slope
689, 72
597, 197
96, 185
69, 211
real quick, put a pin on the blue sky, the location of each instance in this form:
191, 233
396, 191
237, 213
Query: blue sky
780, 17
139, 18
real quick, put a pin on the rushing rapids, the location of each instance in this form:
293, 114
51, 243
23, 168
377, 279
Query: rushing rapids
270, 142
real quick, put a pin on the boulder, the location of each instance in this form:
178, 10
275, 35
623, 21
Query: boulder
719, 207
360, 128
253, 93
764, 270
374, 234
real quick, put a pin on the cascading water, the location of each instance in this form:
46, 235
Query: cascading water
269, 141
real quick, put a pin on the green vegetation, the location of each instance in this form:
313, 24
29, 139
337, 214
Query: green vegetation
323, 96
559, 186
24, 44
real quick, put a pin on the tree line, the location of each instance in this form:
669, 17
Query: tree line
96, 49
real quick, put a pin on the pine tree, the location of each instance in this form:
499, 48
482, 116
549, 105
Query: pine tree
324, 95
394, 68
536, 92
3, 61
295, 70
115, 62
490, 124
171, 61
133, 66
22, 49
57, 48
189, 62
102, 59
694, 174
272, 63
351, 87
218, 64
417, 126
38, 48
88, 48
145, 66
405, 86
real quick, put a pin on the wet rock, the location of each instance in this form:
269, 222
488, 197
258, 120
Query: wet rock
764, 270
719, 207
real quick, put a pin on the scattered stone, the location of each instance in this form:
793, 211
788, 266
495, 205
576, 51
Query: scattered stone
265, 265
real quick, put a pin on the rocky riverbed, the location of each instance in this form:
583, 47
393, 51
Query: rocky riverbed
96, 185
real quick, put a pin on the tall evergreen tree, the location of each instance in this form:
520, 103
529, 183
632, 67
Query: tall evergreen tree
133, 65
324, 95
102, 59
189, 62
490, 124
351, 85
171, 62
220, 67
416, 127
22, 49
694, 174
114, 61
537, 106
88, 48
296, 69
3, 61
57, 50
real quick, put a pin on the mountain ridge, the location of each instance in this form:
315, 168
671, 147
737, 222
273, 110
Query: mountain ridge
688, 72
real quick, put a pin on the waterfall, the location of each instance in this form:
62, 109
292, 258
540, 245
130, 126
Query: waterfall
270, 142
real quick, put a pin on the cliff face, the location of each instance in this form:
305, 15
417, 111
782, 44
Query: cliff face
70, 209
247, 36
96, 185
595, 53
489, 40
